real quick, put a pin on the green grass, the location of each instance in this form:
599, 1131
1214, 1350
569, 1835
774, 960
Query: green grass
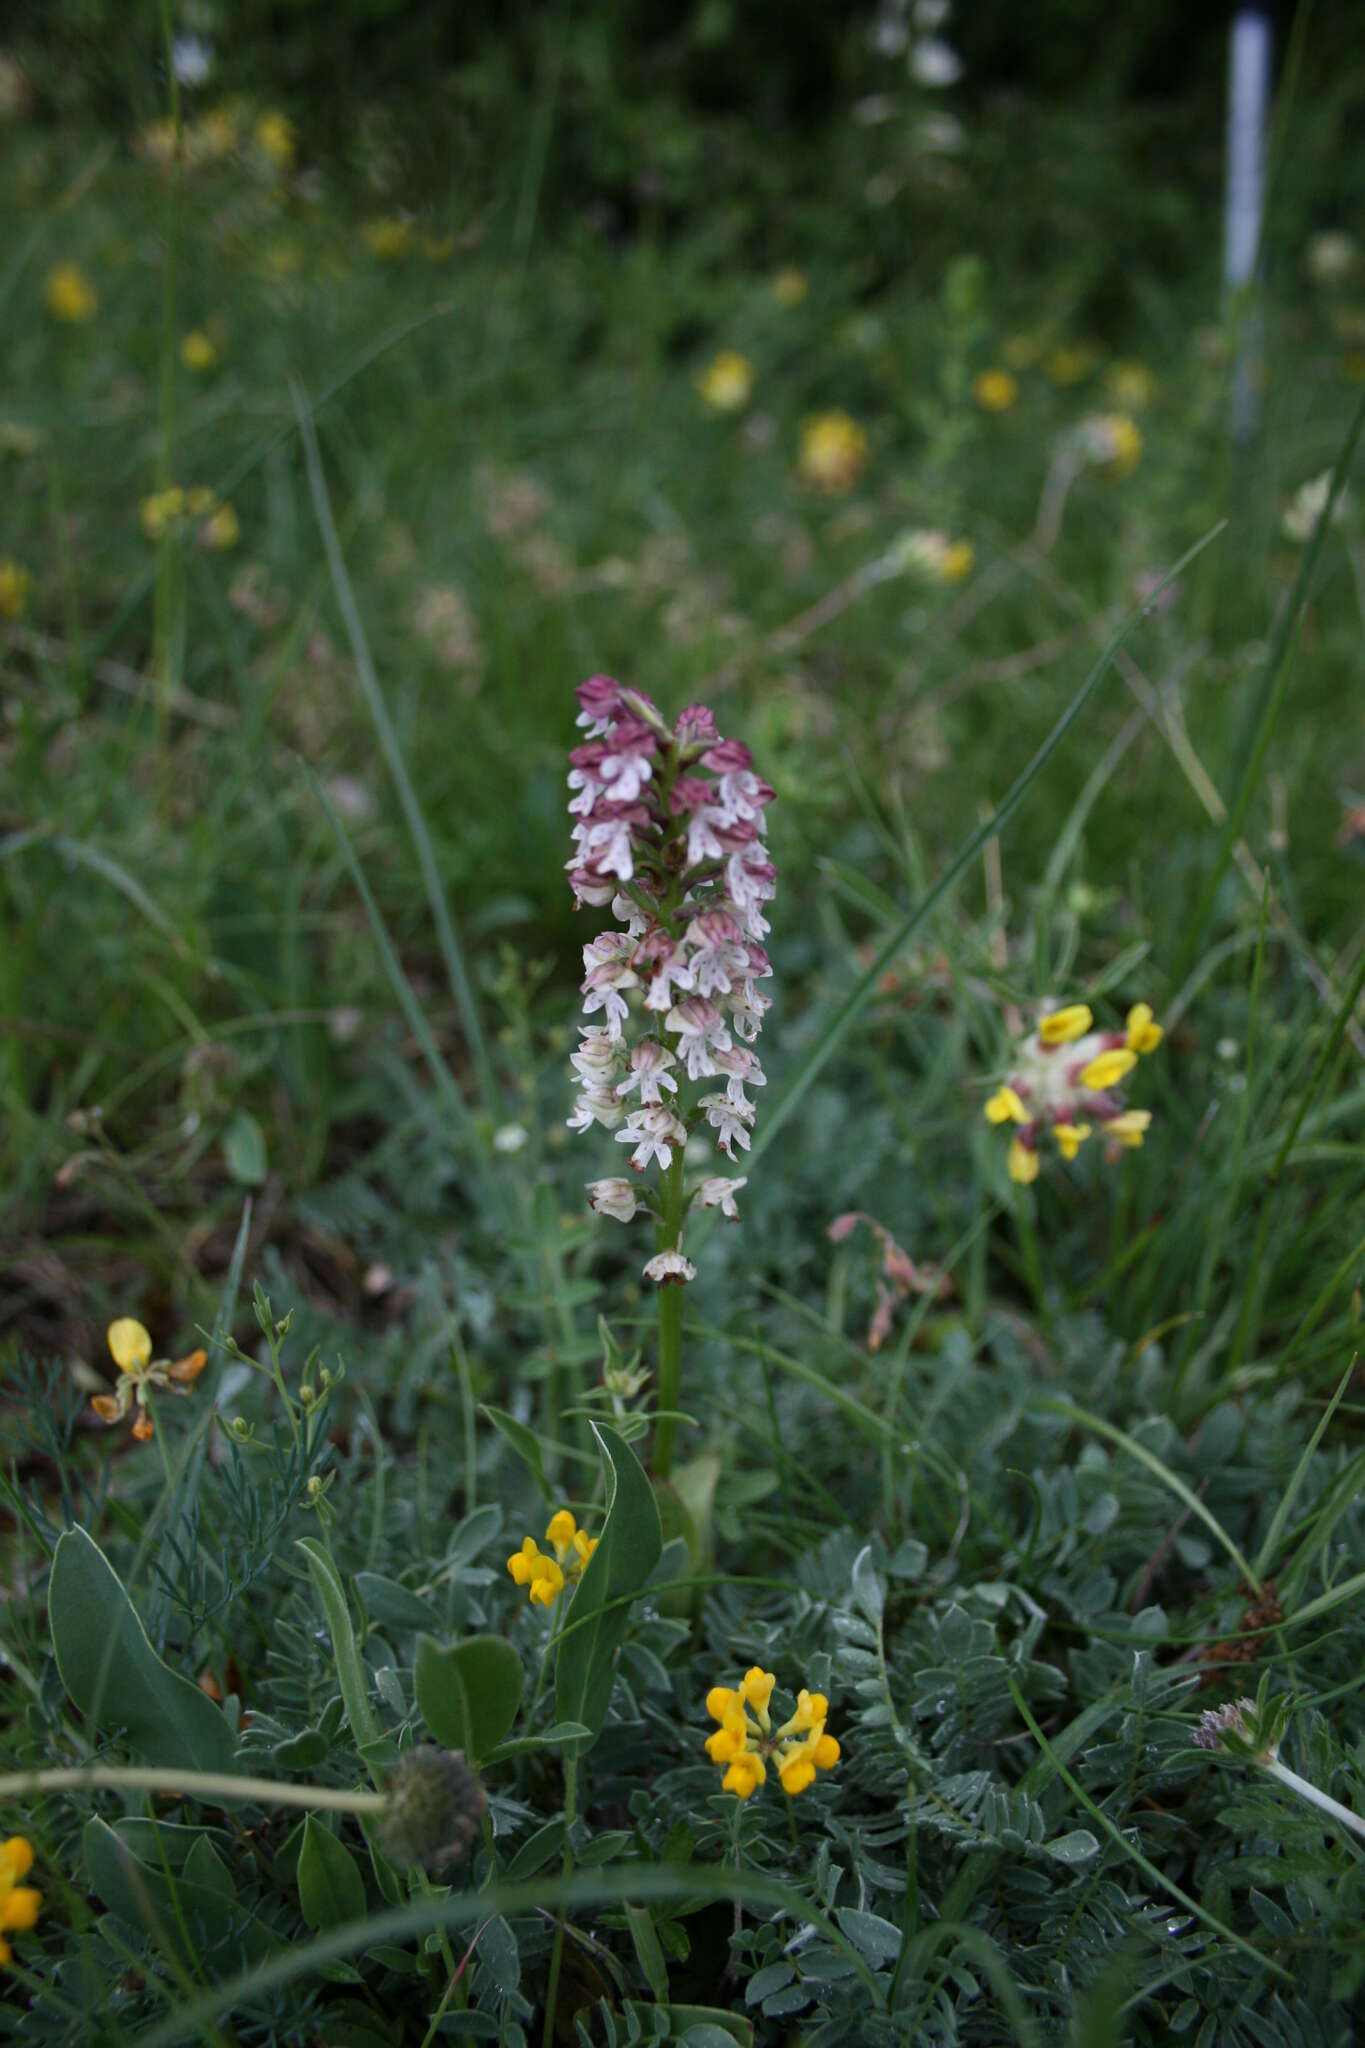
286, 997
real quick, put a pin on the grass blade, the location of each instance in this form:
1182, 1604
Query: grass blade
451, 951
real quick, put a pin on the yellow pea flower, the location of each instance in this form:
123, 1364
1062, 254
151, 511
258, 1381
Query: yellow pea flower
743, 1747
1130, 1128
1070, 1138
1144, 1033
1108, 1067
130, 1347
1059, 1027
1023, 1163
1005, 1107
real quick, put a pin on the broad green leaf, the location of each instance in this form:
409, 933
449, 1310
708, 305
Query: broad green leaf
468, 1694
732, 2026
173, 1909
112, 1673
524, 1442
626, 1554
351, 1673
648, 1952
390, 1604
244, 1152
331, 1889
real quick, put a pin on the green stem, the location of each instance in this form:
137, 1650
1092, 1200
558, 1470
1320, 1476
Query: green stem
565, 1872
203, 1785
668, 1238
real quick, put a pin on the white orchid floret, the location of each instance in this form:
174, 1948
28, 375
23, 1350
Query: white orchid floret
655, 1134
596, 1105
649, 1064
670, 1268
701, 1034
616, 1198
598, 1057
730, 1121
719, 1193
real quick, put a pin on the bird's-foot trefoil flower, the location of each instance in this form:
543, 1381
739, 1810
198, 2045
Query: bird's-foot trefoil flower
1065, 1081
131, 1349
746, 1742
546, 1573
20, 1904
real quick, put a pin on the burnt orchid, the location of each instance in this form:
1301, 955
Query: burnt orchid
668, 829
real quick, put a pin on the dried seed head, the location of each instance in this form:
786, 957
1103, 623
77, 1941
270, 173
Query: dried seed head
436, 1806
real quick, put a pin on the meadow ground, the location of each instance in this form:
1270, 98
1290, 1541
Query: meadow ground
1016, 1413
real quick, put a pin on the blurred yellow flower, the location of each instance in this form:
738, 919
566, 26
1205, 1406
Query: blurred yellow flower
833, 452
1071, 362
276, 138
283, 259
222, 529
1112, 440
1063, 1078
789, 286
20, 1905
438, 248
727, 382
387, 238
70, 295
929, 552
160, 510
995, 390
197, 352
214, 134
1131, 385
14, 588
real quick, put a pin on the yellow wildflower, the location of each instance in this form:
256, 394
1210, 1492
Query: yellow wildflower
131, 1349
14, 588
546, 1576
1108, 1067
1130, 1128
438, 248
159, 511
387, 238
222, 529
1023, 1162
789, 286
20, 1905
1144, 1034
197, 352
929, 552
1070, 1138
744, 1746
71, 297
833, 452
283, 259
276, 138
727, 382
1005, 1107
1131, 385
1059, 1027
995, 390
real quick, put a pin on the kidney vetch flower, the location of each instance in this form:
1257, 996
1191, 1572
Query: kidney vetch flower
1065, 1078
20, 1905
